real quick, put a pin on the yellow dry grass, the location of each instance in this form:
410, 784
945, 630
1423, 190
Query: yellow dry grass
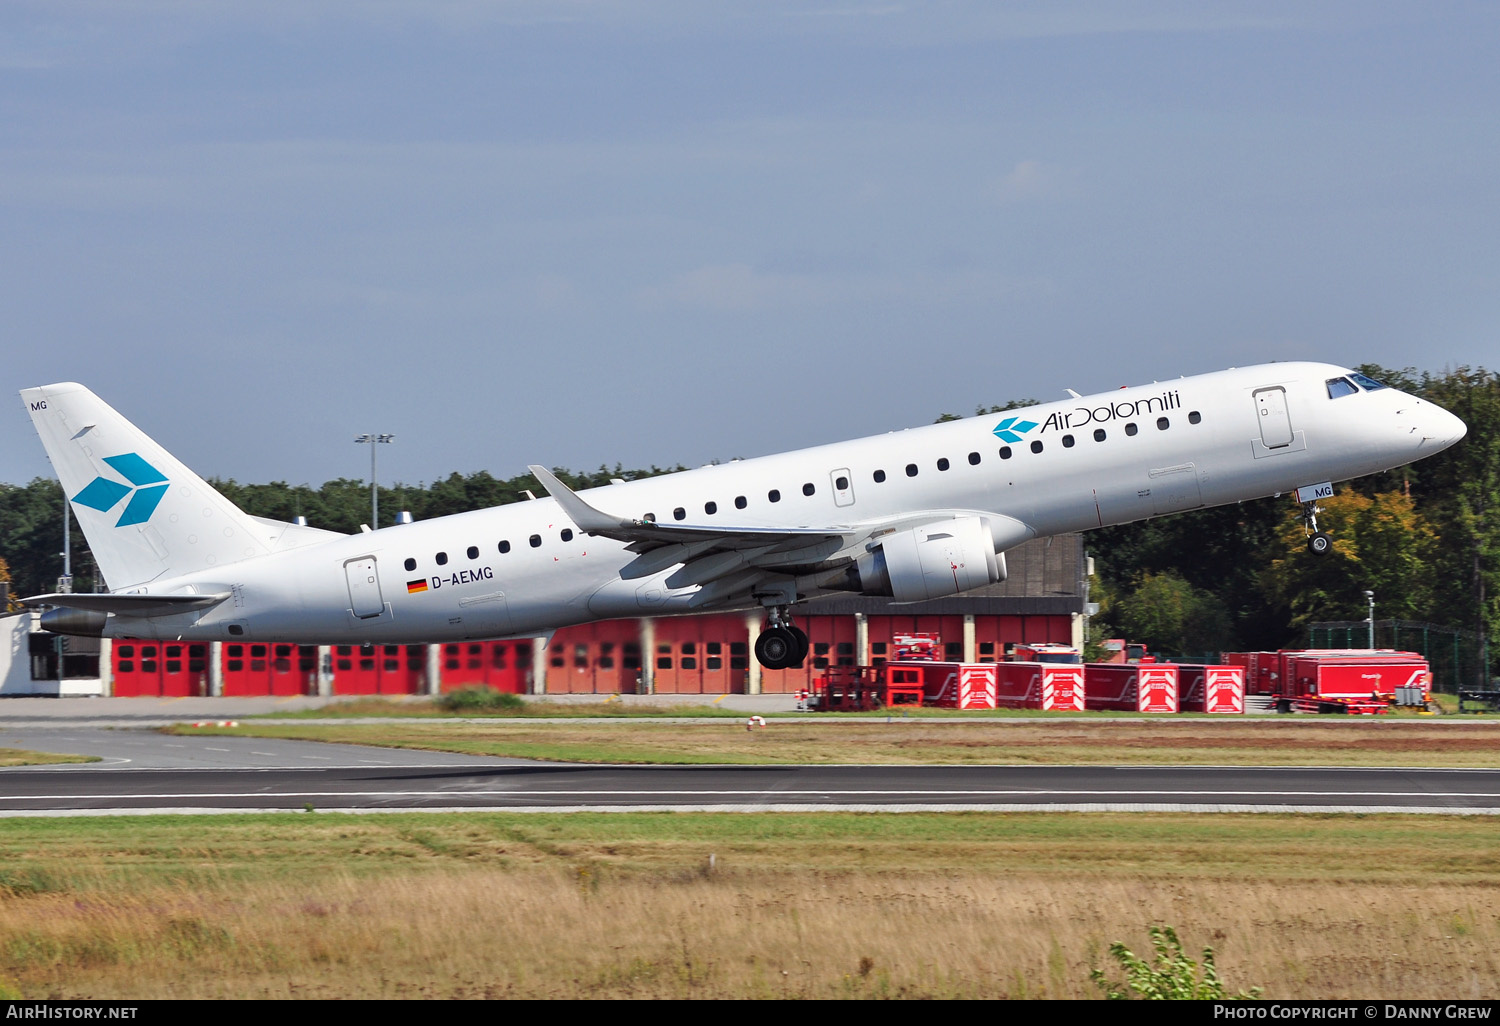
551, 933
1314, 741
811, 905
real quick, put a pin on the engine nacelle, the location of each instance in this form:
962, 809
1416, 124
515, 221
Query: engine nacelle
81, 623
932, 561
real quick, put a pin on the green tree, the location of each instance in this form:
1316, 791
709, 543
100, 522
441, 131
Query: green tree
980, 411
1170, 616
1461, 489
31, 538
1381, 543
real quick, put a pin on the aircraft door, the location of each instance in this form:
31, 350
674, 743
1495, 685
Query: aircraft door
1175, 488
1275, 421
364, 588
843, 486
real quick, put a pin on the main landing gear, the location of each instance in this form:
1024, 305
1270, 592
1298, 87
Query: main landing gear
782, 644
1318, 543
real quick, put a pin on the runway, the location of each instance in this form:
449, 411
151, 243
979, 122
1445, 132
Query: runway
146, 772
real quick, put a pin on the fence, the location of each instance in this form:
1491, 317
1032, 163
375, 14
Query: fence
1458, 658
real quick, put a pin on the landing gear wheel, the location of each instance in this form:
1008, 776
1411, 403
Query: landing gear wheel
800, 636
1319, 544
776, 648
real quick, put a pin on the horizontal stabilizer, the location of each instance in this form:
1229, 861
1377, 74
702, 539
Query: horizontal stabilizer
129, 605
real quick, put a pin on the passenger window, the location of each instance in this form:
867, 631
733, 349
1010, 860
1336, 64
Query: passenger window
1099, 435
473, 552
879, 476
943, 463
1162, 423
567, 534
1339, 387
679, 513
442, 559
841, 483
808, 489
505, 546
1005, 452
774, 495
911, 470
710, 508
739, 502
410, 564
536, 541
1036, 446
1195, 417
973, 459
1067, 441
1131, 429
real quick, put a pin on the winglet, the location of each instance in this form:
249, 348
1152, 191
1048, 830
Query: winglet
581, 513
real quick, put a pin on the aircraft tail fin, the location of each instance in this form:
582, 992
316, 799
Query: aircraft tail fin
145, 515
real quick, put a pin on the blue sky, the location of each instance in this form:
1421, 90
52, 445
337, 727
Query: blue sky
596, 232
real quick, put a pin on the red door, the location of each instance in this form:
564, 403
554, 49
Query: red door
379, 669
698, 655
170, 669
595, 659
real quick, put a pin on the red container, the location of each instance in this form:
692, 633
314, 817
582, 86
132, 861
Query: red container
1211, 689
1362, 675
1040, 686
954, 685
1144, 687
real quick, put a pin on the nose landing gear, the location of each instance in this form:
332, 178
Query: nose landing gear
1318, 543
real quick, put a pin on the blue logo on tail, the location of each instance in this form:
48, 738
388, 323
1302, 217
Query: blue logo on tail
146, 489
1012, 428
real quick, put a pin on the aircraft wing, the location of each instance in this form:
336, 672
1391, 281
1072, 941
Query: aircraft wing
708, 553
725, 561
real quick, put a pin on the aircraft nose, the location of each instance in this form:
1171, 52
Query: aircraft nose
1455, 427
1441, 428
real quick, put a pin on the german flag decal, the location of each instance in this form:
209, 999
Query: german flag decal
416, 587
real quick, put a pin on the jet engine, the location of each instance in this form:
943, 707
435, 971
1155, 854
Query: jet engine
932, 561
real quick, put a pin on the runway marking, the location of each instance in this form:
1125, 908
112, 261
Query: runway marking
1307, 810
325, 758
210, 748
760, 792
270, 754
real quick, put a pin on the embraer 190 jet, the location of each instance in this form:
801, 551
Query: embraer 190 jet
914, 515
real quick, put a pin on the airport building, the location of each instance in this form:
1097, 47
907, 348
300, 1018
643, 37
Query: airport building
1042, 600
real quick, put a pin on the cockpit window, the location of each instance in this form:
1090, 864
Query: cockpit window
1340, 386
1368, 384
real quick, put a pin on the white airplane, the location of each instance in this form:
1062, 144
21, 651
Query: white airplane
914, 515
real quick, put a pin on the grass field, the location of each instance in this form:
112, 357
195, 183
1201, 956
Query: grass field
23, 757
1283, 741
703, 905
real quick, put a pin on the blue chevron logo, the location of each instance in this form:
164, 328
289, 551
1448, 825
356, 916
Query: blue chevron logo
1012, 428
146, 489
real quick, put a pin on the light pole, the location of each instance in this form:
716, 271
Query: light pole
373, 441
1370, 598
